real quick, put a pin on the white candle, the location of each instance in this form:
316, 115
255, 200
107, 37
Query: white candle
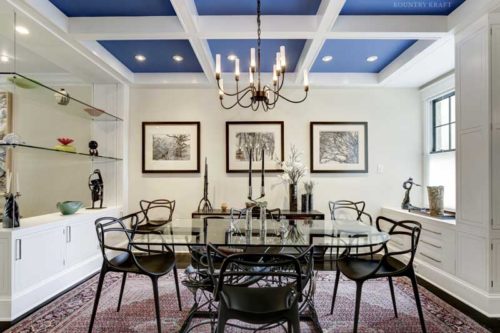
306, 80
252, 58
221, 87
7, 185
250, 75
217, 64
17, 183
275, 75
278, 62
237, 68
283, 57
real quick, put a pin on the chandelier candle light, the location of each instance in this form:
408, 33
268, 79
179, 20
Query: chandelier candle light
261, 94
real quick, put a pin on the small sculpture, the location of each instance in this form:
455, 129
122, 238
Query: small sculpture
407, 185
11, 211
65, 145
93, 148
205, 205
96, 186
62, 97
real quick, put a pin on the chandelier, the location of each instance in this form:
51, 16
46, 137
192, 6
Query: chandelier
260, 95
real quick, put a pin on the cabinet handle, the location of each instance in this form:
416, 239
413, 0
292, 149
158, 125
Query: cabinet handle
429, 257
18, 250
432, 231
434, 245
69, 233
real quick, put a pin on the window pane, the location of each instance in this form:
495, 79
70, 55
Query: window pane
442, 112
452, 109
452, 129
442, 138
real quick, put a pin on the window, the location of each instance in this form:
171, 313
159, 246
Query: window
443, 124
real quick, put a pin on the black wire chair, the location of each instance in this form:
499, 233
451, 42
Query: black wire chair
132, 257
361, 269
350, 209
151, 209
258, 288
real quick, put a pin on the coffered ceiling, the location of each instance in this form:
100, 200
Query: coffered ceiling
340, 42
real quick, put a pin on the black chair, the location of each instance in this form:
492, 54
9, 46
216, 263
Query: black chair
132, 257
258, 288
273, 214
360, 269
156, 214
349, 209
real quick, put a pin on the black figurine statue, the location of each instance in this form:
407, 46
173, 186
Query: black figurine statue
96, 186
205, 205
93, 148
10, 211
407, 185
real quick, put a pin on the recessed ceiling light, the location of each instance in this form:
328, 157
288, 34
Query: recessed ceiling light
177, 58
140, 57
22, 30
372, 58
232, 57
4, 58
327, 58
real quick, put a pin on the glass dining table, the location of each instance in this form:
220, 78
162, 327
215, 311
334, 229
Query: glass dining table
340, 236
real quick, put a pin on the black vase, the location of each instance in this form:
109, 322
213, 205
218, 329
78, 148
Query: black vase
306, 202
293, 197
10, 212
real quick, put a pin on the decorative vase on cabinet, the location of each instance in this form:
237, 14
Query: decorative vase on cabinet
293, 197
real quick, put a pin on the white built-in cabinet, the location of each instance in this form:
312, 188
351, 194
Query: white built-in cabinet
47, 255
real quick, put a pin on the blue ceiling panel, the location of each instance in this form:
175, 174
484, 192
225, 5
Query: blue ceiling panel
158, 55
249, 7
97, 8
349, 55
400, 7
241, 48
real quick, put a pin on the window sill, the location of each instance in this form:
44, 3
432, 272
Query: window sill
443, 151
421, 217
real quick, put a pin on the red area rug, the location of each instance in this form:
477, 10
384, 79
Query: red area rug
71, 312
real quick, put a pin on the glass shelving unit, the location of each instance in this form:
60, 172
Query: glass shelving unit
75, 106
77, 154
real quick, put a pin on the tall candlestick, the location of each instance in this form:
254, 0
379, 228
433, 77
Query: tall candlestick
252, 59
17, 183
262, 192
217, 66
250, 174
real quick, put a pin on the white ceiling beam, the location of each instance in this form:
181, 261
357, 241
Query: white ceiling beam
245, 27
187, 14
389, 27
119, 28
405, 60
328, 13
328, 80
171, 79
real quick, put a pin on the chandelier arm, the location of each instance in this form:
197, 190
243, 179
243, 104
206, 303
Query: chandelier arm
292, 101
282, 81
236, 93
235, 103
276, 96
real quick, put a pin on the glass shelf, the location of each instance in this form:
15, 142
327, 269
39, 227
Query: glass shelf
25, 146
74, 106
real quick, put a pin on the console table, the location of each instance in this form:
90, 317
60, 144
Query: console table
285, 214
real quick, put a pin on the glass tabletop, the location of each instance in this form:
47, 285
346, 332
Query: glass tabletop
327, 233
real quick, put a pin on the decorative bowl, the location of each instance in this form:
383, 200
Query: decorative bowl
69, 207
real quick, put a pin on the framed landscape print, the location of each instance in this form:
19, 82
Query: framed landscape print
170, 147
339, 147
243, 134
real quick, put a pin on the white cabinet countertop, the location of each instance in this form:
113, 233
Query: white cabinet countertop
419, 217
35, 222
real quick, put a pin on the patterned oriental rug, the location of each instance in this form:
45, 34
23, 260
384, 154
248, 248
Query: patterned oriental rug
71, 312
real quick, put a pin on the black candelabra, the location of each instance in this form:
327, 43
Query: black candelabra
205, 205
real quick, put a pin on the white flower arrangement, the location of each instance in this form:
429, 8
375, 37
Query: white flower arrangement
293, 168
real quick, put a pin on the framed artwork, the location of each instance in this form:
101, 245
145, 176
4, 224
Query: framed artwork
5, 128
339, 147
170, 147
243, 134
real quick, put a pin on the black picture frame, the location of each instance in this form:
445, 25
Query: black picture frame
146, 168
334, 166
255, 124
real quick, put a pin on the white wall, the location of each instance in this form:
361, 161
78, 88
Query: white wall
394, 133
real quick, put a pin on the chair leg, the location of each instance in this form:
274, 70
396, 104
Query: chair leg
335, 288
157, 302
359, 287
177, 288
97, 297
413, 279
221, 318
295, 323
391, 286
121, 291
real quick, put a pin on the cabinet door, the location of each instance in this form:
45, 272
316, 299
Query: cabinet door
37, 257
81, 242
495, 100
